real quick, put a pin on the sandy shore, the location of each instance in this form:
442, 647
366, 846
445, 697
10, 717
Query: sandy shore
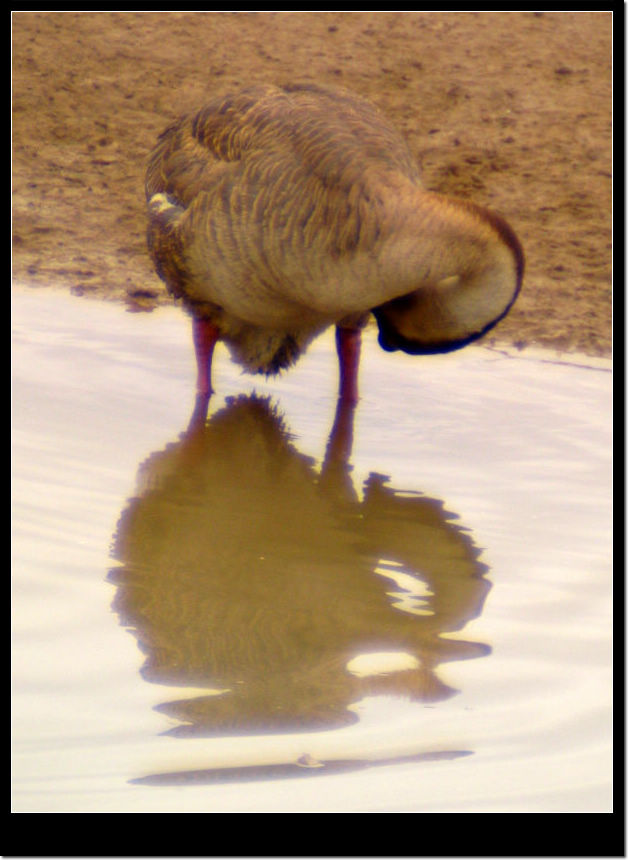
510, 109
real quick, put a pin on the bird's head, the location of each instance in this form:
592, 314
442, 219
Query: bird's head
456, 303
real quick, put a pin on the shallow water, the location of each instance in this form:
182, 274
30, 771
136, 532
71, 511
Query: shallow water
240, 619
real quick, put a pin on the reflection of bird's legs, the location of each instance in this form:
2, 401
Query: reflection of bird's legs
340, 440
205, 336
348, 343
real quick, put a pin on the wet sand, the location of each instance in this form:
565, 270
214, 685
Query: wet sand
510, 109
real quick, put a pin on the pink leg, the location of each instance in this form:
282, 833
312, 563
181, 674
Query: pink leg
348, 342
205, 336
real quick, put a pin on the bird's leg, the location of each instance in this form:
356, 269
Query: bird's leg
348, 342
335, 472
205, 336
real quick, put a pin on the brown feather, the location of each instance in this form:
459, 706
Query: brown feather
277, 211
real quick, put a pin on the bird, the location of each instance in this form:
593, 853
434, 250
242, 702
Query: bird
278, 211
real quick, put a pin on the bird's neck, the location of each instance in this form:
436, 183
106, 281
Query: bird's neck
434, 238
451, 268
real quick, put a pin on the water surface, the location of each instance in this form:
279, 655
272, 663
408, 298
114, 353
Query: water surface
261, 616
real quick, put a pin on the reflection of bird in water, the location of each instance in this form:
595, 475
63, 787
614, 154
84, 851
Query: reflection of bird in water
244, 569
276, 212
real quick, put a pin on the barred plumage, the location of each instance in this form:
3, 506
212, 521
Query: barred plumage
275, 212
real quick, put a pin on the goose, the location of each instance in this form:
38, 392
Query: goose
275, 212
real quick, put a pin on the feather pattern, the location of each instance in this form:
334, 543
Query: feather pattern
275, 212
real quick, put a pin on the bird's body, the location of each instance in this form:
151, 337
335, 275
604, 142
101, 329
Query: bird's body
276, 212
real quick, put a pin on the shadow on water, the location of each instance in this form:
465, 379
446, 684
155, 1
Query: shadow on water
300, 769
248, 572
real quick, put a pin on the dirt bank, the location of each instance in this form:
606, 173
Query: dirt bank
511, 109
